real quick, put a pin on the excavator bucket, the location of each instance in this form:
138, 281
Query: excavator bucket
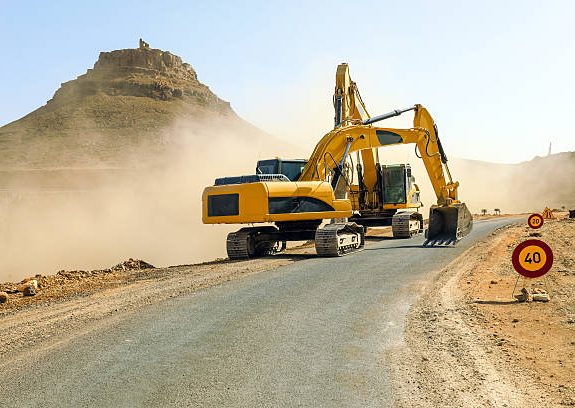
448, 224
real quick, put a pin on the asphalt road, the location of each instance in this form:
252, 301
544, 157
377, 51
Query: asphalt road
311, 334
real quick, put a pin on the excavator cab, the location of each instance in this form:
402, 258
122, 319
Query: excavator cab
292, 169
397, 183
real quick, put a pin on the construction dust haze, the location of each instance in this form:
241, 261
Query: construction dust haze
92, 218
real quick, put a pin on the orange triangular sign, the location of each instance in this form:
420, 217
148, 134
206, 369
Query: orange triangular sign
548, 214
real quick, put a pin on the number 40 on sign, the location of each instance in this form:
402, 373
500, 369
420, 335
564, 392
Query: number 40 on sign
532, 258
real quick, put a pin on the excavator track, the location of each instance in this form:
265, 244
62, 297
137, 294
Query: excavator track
238, 244
248, 243
405, 224
339, 239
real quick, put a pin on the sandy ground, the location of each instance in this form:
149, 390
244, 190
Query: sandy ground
469, 343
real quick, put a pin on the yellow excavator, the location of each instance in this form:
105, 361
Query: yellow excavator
296, 196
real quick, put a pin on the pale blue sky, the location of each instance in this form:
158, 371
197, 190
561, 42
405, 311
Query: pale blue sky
496, 75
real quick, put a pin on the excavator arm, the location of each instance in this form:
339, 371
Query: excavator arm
333, 149
449, 219
348, 105
350, 110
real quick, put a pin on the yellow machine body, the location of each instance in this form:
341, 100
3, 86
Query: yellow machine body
254, 200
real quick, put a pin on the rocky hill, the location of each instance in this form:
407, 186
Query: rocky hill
115, 163
527, 186
132, 99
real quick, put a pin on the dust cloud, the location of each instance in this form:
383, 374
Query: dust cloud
95, 217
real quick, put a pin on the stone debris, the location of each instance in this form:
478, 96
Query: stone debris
3, 297
524, 296
39, 283
541, 297
537, 295
28, 287
29, 290
132, 264
10, 289
31, 282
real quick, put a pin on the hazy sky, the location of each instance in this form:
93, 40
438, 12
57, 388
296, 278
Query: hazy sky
496, 75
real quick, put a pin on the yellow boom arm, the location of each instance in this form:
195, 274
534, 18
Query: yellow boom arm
334, 147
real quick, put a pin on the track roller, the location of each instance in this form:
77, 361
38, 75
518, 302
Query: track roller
405, 224
253, 243
339, 239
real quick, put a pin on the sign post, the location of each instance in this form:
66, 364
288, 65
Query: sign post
535, 221
531, 259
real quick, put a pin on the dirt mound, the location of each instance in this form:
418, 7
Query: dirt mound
132, 264
65, 283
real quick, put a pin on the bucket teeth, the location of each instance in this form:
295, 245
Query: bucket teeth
439, 242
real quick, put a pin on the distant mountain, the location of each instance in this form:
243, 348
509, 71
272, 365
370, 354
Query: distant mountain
528, 186
133, 100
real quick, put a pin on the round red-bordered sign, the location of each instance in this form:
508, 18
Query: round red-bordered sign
532, 258
535, 221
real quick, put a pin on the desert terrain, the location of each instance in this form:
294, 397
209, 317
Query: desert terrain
100, 219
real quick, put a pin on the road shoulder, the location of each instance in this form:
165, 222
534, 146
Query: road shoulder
460, 348
67, 309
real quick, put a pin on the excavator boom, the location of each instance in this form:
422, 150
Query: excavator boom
449, 220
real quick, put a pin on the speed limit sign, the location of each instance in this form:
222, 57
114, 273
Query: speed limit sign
535, 221
532, 258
